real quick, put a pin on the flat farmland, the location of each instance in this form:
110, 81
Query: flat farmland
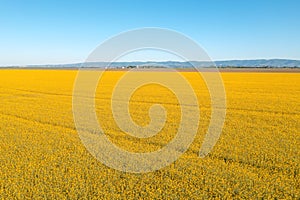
257, 155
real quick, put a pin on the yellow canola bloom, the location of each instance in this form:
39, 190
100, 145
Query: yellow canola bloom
42, 157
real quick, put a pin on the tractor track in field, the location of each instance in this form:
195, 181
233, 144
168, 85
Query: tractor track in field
37, 121
155, 102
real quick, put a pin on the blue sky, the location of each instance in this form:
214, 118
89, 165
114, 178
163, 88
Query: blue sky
49, 31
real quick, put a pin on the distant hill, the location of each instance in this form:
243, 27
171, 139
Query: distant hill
259, 63
176, 64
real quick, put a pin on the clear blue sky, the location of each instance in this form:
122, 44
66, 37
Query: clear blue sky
50, 31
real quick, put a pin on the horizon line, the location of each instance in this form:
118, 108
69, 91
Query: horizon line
218, 60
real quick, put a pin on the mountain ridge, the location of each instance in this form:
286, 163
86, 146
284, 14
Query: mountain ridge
259, 63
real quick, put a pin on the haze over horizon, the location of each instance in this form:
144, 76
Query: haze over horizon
63, 32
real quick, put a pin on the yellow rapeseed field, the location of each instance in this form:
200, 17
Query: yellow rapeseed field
257, 155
